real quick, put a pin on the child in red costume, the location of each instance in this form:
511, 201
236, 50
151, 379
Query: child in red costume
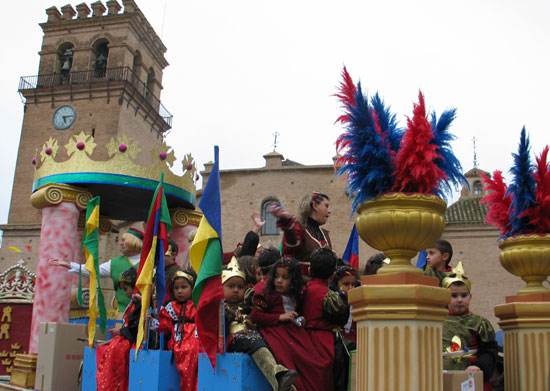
112, 357
326, 312
276, 313
242, 335
177, 318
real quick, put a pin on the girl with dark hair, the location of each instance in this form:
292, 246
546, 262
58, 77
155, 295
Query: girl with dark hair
277, 314
276, 278
177, 319
303, 234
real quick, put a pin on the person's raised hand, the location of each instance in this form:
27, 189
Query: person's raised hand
258, 222
278, 211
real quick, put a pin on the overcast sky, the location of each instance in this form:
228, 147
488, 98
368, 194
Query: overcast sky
241, 70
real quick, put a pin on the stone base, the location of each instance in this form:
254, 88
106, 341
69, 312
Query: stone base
526, 327
22, 378
23, 373
399, 333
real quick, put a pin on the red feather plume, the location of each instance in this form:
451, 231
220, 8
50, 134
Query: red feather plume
539, 215
346, 94
498, 201
415, 170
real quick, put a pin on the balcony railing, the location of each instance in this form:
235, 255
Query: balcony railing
94, 77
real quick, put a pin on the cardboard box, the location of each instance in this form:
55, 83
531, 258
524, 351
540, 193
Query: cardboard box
60, 354
462, 381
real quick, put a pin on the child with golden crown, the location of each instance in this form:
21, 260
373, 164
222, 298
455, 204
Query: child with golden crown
242, 334
468, 339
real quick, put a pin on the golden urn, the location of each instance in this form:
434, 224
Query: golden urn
527, 256
400, 225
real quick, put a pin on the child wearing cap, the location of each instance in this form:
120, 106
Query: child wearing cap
467, 332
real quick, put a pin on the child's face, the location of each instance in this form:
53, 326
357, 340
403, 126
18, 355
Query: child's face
128, 290
259, 274
346, 283
233, 290
182, 290
169, 260
460, 299
281, 280
169, 257
436, 260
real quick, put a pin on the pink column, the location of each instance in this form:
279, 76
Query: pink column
78, 257
180, 234
58, 238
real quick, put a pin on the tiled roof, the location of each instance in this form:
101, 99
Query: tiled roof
291, 163
466, 211
475, 172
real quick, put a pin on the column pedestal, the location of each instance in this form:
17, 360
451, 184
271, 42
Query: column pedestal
525, 321
399, 332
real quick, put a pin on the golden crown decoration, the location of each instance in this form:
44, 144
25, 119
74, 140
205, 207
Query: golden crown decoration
232, 270
456, 275
124, 184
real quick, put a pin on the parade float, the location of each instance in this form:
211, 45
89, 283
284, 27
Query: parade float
61, 190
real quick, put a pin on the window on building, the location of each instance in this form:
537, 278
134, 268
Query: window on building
478, 188
270, 227
101, 50
65, 56
150, 84
136, 69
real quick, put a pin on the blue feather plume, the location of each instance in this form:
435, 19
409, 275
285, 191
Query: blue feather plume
368, 160
448, 162
388, 122
522, 188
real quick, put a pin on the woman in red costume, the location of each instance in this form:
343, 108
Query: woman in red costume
303, 234
112, 357
177, 317
276, 313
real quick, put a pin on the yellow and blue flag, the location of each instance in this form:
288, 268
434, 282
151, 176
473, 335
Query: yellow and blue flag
206, 258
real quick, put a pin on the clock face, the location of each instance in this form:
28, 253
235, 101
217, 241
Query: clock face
63, 117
